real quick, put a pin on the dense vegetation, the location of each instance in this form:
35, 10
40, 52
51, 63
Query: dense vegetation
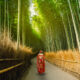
53, 27
14, 19
61, 21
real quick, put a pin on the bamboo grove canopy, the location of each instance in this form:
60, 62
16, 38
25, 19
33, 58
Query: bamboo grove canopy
49, 24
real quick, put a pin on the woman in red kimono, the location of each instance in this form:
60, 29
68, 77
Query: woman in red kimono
40, 62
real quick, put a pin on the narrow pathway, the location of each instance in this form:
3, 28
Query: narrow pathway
52, 73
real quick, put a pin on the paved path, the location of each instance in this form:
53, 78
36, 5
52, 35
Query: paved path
52, 73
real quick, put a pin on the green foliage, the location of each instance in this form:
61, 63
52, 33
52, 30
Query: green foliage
52, 26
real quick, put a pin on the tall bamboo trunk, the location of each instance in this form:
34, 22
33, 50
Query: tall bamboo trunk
23, 32
8, 20
4, 17
0, 19
67, 37
70, 32
18, 27
76, 33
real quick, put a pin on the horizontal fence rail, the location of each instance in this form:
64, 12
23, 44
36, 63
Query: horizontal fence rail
10, 59
67, 61
11, 67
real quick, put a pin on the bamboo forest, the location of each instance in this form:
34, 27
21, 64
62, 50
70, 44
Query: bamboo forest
30, 29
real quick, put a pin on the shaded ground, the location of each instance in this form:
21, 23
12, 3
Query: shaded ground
52, 73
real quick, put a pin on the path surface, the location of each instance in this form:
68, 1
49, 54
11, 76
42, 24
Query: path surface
52, 73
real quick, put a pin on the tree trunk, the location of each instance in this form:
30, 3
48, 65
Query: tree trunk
18, 27
76, 33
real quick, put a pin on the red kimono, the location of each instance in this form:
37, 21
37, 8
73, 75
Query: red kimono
40, 63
